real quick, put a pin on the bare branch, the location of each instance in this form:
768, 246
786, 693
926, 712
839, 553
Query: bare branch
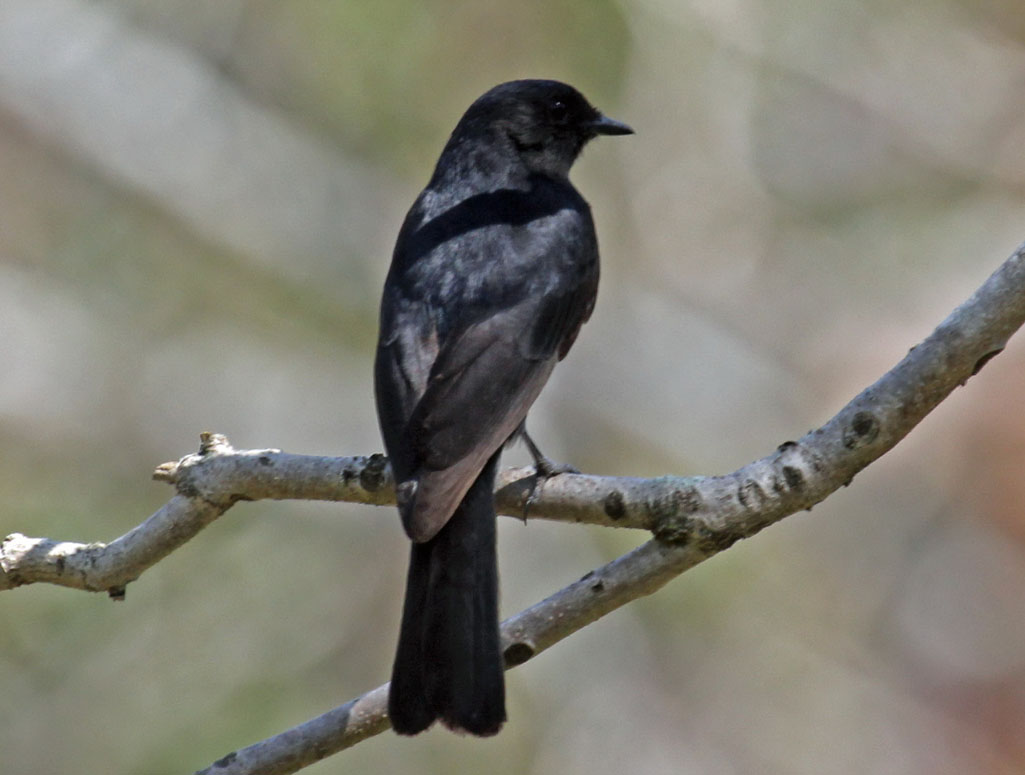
692, 518
698, 517
218, 476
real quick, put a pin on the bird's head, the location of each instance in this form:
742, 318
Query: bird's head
547, 123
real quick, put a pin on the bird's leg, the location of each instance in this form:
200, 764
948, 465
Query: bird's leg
544, 468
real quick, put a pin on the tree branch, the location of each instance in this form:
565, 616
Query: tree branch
692, 518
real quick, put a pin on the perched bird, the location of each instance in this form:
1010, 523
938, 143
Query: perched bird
494, 271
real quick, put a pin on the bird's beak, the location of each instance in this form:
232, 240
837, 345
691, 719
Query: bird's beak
603, 125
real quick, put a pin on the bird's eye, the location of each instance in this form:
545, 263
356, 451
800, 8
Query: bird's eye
558, 112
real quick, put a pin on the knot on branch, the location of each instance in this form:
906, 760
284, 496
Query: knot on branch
671, 511
517, 653
190, 477
376, 474
863, 429
210, 444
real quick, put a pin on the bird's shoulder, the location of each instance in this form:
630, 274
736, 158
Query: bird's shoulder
523, 248
493, 231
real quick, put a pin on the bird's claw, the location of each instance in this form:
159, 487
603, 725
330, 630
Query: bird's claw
544, 469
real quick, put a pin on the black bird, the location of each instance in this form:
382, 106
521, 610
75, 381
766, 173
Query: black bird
494, 271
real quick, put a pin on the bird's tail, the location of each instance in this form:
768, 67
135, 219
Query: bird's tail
449, 660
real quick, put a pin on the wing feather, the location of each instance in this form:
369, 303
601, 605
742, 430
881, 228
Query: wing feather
477, 324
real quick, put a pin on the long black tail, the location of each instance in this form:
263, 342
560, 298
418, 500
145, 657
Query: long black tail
449, 660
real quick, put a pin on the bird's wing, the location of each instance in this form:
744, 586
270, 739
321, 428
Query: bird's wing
480, 389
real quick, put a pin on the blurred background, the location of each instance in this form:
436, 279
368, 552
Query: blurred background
197, 209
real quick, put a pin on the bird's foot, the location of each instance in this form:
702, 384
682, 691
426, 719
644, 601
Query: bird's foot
544, 469
547, 468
